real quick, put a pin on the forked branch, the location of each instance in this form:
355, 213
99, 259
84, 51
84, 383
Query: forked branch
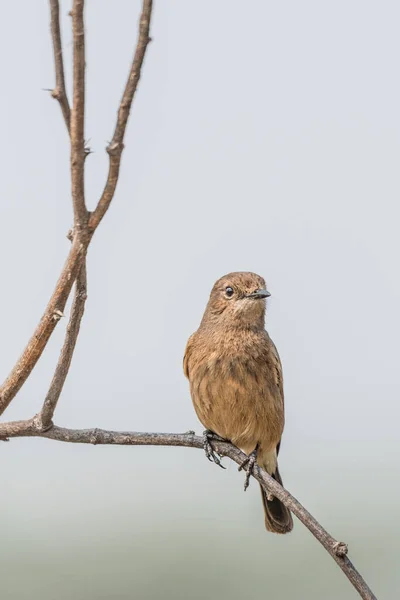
82, 233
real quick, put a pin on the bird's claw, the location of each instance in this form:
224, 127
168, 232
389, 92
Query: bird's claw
249, 461
208, 449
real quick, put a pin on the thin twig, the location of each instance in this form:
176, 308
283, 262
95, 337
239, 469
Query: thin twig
59, 92
81, 233
50, 318
338, 550
78, 155
116, 145
64, 362
78, 119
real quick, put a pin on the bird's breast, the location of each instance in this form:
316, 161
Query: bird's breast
235, 394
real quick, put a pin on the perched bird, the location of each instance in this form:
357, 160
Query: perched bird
236, 383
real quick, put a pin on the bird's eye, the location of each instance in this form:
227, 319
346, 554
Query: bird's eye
229, 292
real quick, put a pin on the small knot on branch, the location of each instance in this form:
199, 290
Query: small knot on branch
95, 437
56, 94
39, 425
115, 148
57, 315
144, 22
340, 549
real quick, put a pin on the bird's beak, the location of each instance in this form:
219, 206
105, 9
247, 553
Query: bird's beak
259, 294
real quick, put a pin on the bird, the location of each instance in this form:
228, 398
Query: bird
236, 382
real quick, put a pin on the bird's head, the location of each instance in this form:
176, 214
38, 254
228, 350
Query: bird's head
237, 299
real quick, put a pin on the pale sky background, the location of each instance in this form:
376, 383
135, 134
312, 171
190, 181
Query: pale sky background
264, 137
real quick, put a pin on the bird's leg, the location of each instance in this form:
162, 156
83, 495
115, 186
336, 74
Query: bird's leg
212, 456
250, 461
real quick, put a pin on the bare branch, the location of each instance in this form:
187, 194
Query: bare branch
59, 92
52, 315
116, 145
67, 351
17, 429
75, 269
81, 233
78, 153
338, 550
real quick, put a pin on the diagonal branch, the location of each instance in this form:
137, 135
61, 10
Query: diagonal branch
67, 351
116, 145
59, 92
338, 550
78, 118
42, 333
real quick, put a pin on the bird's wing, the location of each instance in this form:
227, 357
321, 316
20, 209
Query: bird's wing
279, 377
277, 367
186, 357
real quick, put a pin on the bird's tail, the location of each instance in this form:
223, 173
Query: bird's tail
277, 517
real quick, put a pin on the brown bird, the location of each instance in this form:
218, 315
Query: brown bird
236, 382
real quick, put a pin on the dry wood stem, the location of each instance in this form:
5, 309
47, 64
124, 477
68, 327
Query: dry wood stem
67, 351
338, 550
116, 145
78, 153
51, 316
82, 233
59, 92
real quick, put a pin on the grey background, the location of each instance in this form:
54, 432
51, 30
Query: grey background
264, 137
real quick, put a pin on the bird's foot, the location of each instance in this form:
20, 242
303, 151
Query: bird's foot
249, 461
212, 456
